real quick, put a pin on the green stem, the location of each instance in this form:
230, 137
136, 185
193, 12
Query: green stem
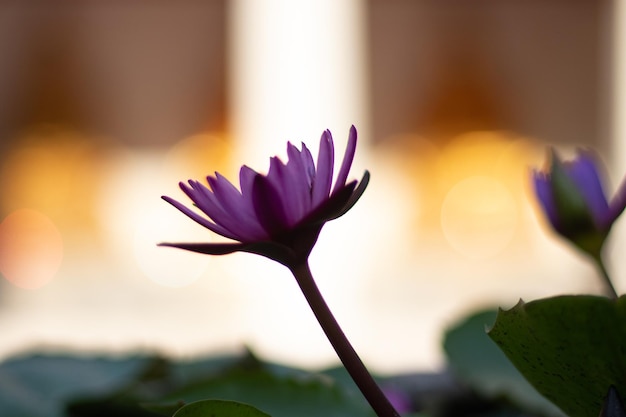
604, 274
348, 356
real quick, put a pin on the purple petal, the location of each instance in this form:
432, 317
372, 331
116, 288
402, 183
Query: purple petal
272, 250
284, 188
356, 195
308, 164
207, 248
347, 160
585, 175
268, 206
324, 175
246, 180
200, 195
244, 222
543, 190
199, 219
298, 183
332, 206
206, 201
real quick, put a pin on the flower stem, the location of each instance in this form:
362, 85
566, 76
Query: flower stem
348, 356
611, 293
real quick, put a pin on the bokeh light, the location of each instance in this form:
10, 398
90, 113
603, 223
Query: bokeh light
479, 217
31, 249
134, 219
199, 155
167, 266
54, 170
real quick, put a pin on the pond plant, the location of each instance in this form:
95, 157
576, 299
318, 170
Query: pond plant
570, 348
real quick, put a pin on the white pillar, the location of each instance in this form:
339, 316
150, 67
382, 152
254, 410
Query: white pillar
295, 69
617, 157
618, 73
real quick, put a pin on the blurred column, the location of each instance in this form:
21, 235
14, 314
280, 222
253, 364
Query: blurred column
296, 68
616, 20
618, 74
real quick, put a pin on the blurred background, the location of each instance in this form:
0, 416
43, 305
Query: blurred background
106, 106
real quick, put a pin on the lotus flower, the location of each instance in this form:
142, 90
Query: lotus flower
278, 215
573, 199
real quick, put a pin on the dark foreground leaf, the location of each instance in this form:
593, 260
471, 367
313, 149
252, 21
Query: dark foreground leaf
219, 408
481, 365
570, 348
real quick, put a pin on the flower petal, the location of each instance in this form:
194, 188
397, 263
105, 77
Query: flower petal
347, 160
543, 190
272, 250
246, 180
207, 248
268, 206
584, 174
324, 174
284, 189
220, 230
309, 165
331, 207
356, 195
298, 181
206, 201
244, 222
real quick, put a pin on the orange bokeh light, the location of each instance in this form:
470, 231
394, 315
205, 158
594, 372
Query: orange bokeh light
31, 249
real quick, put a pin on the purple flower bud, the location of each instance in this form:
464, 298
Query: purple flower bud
278, 215
573, 199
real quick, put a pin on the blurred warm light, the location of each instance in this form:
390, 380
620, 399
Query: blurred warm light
129, 201
481, 190
135, 219
199, 155
484, 170
166, 266
31, 249
54, 170
479, 217
481, 153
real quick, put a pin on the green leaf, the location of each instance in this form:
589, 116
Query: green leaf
39, 385
283, 394
64, 385
478, 362
219, 408
570, 348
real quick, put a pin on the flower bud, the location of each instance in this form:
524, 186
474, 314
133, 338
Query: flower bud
572, 197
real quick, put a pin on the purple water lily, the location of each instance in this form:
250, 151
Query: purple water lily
278, 215
573, 198
574, 201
